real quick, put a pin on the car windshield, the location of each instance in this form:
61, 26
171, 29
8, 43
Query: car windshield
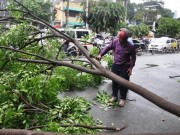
100, 37
136, 41
160, 40
153, 40
81, 34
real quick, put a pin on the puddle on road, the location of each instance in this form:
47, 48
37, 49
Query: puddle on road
150, 66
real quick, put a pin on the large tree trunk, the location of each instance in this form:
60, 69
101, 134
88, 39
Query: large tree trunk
27, 132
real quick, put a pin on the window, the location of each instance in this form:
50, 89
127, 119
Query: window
168, 41
81, 34
74, 14
173, 41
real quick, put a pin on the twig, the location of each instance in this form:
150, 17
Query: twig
94, 127
174, 76
35, 127
17, 50
47, 107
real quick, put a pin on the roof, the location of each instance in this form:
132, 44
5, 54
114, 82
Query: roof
74, 9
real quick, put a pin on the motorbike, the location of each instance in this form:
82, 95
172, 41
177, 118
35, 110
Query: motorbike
72, 50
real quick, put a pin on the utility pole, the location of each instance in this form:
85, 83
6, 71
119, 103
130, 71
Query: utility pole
67, 15
52, 9
87, 7
125, 2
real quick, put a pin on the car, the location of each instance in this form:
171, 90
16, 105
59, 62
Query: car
178, 44
98, 40
163, 44
139, 44
77, 34
80, 35
108, 39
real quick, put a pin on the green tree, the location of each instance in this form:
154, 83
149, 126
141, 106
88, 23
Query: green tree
144, 30
105, 16
168, 27
167, 13
131, 11
158, 5
138, 17
148, 11
139, 31
40, 8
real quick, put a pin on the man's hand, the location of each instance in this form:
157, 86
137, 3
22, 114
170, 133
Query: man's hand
98, 57
129, 71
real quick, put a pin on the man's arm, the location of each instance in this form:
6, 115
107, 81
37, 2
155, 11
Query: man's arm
105, 50
133, 57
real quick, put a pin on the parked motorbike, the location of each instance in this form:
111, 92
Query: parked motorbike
71, 51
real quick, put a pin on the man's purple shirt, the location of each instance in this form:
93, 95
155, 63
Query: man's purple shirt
122, 54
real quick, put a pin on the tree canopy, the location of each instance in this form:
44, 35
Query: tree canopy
168, 27
104, 15
40, 8
147, 11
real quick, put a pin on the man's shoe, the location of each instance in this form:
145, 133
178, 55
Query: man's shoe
113, 99
122, 103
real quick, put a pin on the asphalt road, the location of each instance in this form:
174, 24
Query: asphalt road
141, 116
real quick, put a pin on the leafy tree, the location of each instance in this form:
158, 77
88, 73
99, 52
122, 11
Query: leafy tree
148, 11
164, 12
29, 89
40, 8
138, 17
167, 13
168, 27
131, 11
139, 30
104, 15
134, 31
144, 30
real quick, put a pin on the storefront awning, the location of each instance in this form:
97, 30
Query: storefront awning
74, 9
75, 24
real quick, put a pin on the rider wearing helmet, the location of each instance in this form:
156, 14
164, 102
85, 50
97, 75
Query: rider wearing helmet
124, 61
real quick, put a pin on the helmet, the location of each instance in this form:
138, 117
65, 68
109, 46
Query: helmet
123, 34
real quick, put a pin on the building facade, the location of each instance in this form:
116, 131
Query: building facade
3, 4
68, 13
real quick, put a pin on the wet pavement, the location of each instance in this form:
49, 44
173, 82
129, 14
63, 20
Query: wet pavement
141, 116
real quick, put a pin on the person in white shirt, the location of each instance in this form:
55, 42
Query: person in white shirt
130, 39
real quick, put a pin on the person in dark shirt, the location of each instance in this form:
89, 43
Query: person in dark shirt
124, 61
66, 45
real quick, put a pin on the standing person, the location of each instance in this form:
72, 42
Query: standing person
66, 45
130, 39
124, 61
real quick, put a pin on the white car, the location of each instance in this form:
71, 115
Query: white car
98, 40
163, 44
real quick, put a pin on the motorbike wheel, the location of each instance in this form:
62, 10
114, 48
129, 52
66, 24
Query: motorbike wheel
74, 54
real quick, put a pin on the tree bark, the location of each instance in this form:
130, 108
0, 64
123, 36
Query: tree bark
28, 132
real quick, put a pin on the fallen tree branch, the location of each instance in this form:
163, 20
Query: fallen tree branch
38, 110
28, 132
174, 76
94, 127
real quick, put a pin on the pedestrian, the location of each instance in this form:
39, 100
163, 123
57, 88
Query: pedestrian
66, 45
130, 39
124, 61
